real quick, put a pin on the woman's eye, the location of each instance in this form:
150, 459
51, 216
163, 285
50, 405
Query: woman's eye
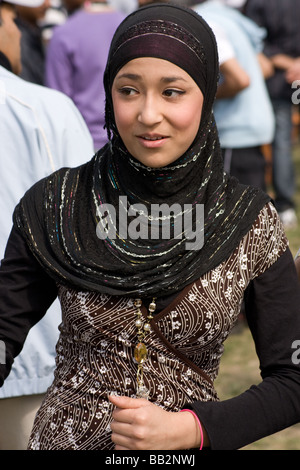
171, 93
126, 91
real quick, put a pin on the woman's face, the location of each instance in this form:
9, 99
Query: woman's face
157, 108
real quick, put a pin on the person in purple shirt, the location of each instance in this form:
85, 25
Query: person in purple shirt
75, 61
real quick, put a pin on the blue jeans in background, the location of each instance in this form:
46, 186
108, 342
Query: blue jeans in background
283, 167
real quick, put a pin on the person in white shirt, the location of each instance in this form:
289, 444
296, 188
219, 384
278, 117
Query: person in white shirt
41, 131
243, 109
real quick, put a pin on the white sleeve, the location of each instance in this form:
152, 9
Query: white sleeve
225, 49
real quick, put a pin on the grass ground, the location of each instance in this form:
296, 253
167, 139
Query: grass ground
239, 367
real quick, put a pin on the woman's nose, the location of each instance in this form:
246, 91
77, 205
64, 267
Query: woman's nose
150, 112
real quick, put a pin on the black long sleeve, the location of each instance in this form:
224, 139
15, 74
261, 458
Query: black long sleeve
26, 293
273, 311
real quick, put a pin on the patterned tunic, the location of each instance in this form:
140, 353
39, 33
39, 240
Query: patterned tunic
98, 336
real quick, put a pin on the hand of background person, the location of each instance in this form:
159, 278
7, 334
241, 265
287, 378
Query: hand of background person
293, 72
141, 425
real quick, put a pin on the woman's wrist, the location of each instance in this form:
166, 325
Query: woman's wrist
193, 433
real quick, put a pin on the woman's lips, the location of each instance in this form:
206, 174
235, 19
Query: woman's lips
152, 141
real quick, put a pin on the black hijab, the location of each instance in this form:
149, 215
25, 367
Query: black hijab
61, 216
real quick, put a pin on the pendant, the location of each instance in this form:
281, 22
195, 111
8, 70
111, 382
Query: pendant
142, 392
140, 353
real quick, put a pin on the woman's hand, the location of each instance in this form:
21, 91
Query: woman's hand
140, 425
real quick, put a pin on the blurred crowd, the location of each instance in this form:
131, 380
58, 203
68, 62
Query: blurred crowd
259, 63
64, 47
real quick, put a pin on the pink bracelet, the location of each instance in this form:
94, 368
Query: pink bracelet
200, 427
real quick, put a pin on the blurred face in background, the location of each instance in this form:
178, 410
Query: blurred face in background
72, 5
33, 14
10, 37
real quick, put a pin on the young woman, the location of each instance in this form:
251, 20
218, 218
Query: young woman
145, 311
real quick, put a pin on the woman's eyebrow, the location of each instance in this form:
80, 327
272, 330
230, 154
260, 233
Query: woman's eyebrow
172, 79
131, 76
136, 77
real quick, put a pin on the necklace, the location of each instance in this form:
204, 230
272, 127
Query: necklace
140, 350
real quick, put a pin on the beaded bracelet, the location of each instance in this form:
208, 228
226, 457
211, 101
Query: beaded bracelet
198, 421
